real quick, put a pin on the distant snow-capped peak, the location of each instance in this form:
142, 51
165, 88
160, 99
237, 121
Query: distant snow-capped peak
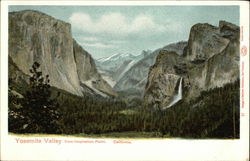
116, 57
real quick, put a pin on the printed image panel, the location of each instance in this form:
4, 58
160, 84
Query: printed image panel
124, 71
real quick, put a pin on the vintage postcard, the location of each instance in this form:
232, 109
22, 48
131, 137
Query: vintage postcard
124, 80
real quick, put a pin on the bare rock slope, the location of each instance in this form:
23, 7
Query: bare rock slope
34, 36
210, 59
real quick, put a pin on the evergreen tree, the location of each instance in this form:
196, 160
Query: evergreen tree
15, 118
41, 112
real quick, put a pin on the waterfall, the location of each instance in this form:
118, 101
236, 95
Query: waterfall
176, 97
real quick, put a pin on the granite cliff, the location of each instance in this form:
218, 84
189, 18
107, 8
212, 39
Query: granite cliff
34, 36
210, 59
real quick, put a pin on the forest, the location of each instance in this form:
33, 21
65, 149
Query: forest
40, 108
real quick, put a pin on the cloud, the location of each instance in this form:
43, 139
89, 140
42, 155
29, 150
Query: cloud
99, 42
89, 39
118, 42
85, 38
115, 23
97, 45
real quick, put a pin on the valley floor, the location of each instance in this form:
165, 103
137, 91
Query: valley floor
131, 135
124, 135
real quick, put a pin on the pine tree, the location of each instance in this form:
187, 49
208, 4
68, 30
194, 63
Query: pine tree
15, 118
41, 112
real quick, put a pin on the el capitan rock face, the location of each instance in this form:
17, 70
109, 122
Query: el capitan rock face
210, 59
34, 36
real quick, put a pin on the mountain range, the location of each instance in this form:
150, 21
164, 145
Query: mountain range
209, 59
114, 67
184, 89
132, 85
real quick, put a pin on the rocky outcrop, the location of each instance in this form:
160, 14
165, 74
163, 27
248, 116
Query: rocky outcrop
217, 71
34, 36
134, 81
163, 79
87, 71
204, 42
84, 63
211, 59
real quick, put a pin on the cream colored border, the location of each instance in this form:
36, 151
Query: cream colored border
155, 149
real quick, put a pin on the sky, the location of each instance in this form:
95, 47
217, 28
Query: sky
107, 30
